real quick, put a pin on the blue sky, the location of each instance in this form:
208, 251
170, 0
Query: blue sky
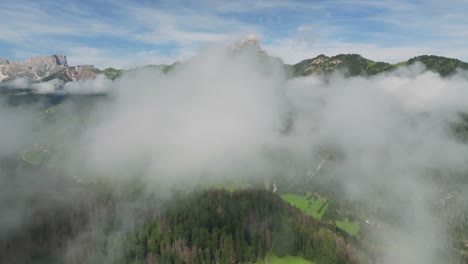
125, 34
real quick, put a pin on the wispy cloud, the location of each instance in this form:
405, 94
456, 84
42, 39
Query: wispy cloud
103, 58
123, 30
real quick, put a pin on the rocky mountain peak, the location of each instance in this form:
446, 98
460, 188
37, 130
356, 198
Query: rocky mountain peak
251, 42
4, 61
80, 72
319, 59
47, 60
35, 68
61, 59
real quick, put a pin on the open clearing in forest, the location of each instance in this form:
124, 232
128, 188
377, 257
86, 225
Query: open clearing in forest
273, 259
34, 156
351, 228
314, 207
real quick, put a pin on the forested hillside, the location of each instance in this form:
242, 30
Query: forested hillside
88, 225
356, 65
217, 226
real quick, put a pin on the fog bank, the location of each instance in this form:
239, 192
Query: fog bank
223, 114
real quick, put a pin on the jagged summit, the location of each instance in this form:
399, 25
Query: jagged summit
50, 60
46, 68
35, 68
251, 42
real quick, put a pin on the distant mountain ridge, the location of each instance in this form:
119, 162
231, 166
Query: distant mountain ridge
46, 68
355, 64
351, 64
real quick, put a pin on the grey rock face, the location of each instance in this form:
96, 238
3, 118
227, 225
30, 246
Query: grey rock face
4, 61
45, 61
83, 72
36, 68
251, 43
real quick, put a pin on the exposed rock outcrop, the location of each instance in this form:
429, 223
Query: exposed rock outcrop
83, 72
251, 43
35, 68
4, 61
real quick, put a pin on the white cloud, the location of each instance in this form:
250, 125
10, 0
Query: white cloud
51, 86
102, 58
386, 30
224, 115
219, 114
17, 83
98, 85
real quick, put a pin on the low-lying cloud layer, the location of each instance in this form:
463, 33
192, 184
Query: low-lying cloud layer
222, 114
214, 114
98, 85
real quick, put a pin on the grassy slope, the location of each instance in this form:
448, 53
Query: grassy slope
308, 205
51, 158
52, 109
351, 228
273, 259
34, 156
312, 207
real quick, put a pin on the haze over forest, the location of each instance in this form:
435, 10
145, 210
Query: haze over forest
233, 154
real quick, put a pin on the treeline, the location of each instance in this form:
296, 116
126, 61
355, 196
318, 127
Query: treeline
217, 226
